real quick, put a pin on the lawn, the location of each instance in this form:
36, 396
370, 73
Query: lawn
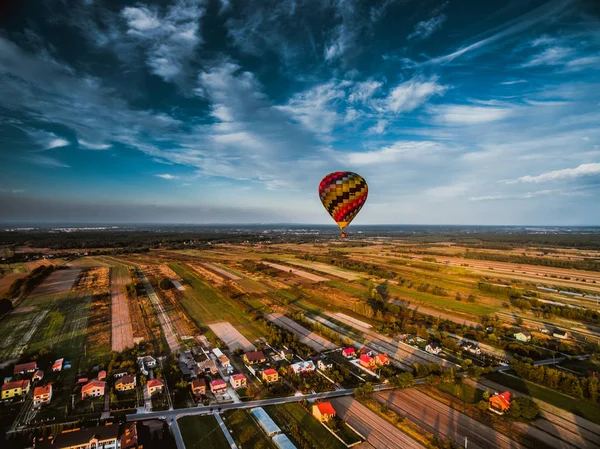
245, 431
202, 432
205, 304
578, 407
465, 393
320, 438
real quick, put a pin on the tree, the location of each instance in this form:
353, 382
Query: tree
364, 391
482, 405
165, 284
486, 395
403, 380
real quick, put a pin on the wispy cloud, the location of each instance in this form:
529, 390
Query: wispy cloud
379, 127
520, 196
560, 175
46, 161
552, 9
550, 56
92, 145
403, 150
167, 176
469, 115
509, 83
426, 28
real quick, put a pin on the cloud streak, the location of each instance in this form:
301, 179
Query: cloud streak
560, 175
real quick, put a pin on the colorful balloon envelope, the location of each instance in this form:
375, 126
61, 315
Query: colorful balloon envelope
343, 194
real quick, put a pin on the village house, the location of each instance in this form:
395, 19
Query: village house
523, 335
102, 375
324, 364
129, 439
218, 386
306, 367
286, 354
117, 373
198, 387
433, 348
39, 375
99, 437
367, 351
155, 386
25, 368
500, 403
147, 361
225, 363
560, 334
42, 395
270, 375
323, 411
15, 388
366, 361
238, 381
254, 357
349, 353
57, 366
473, 348
126, 383
93, 389
208, 365
382, 360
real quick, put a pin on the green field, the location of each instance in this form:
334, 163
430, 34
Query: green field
354, 289
245, 431
464, 392
319, 436
202, 432
578, 407
205, 304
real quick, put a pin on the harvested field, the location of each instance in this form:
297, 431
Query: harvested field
59, 281
7, 281
232, 337
305, 336
222, 271
99, 325
301, 273
94, 280
121, 332
161, 271
380, 434
343, 317
324, 268
207, 274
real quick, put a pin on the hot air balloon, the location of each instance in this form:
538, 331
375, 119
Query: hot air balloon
343, 194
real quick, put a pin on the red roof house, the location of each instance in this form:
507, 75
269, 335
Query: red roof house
500, 403
102, 375
24, 368
323, 411
348, 352
93, 389
154, 386
218, 386
366, 361
382, 359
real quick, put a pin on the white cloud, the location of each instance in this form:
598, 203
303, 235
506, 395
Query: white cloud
167, 176
419, 151
316, 107
363, 91
550, 56
469, 115
379, 128
57, 143
519, 196
560, 175
170, 40
411, 94
508, 83
92, 145
46, 161
426, 28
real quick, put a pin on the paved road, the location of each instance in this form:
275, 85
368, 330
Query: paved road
165, 323
443, 421
177, 435
380, 433
122, 333
225, 431
202, 410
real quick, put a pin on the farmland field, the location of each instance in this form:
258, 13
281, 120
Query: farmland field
121, 330
297, 272
202, 432
245, 431
305, 336
231, 336
60, 281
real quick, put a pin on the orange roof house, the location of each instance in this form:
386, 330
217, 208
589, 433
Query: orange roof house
102, 375
500, 403
15, 388
238, 381
25, 368
323, 411
155, 386
382, 359
199, 387
218, 386
42, 395
93, 389
270, 375
366, 361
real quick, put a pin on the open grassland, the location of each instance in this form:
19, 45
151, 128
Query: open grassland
312, 431
578, 407
205, 304
202, 432
98, 341
245, 431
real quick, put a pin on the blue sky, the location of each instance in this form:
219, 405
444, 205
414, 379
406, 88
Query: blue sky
208, 111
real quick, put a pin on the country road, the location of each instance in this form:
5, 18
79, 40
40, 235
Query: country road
122, 332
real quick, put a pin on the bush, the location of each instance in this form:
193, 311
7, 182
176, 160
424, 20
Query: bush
165, 284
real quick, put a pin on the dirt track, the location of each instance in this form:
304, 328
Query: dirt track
444, 422
122, 332
380, 434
